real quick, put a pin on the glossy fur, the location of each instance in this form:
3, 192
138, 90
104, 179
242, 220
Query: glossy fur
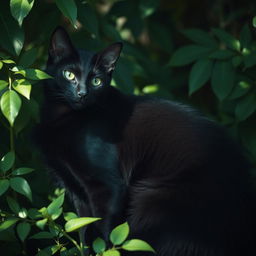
176, 176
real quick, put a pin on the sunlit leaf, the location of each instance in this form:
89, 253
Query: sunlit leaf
22, 171
55, 204
41, 223
111, 252
33, 74
69, 216
137, 245
22, 86
75, 224
20, 9
3, 84
10, 105
8, 223
119, 234
99, 245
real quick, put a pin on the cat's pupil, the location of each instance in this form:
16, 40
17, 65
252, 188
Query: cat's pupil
96, 81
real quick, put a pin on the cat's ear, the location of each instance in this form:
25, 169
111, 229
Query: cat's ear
109, 56
60, 45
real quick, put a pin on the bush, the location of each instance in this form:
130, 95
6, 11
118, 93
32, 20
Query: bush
170, 51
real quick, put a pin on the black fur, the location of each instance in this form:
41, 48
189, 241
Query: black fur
177, 177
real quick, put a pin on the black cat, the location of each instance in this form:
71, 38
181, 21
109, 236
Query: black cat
175, 176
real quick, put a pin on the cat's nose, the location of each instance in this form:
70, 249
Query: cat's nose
81, 94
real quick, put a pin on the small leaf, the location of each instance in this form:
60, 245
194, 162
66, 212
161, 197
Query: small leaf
7, 161
254, 21
222, 54
33, 74
22, 86
69, 216
75, 224
21, 186
10, 105
68, 9
228, 39
4, 185
8, 61
1, 65
119, 234
223, 78
23, 213
137, 245
42, 235
99, 245
22, 171
187, 54
55, 204
41, 223
23, 230
8, 223
34, 213
111, 252
246, 107
13, 204
3, 84
199, 74
20, 9
199, 36
28, 57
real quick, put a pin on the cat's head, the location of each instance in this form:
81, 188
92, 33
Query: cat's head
79, 76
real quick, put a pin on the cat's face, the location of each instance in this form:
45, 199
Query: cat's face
79, 76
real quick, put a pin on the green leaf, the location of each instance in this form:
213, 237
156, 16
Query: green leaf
137, 245
119, 234
99, 245
69, 216
42, 235
111, 252
148, 7
240, 90
227, 38
20, 9
22, 86
1, 65
246, 107
21, 186
68, 9
254, 21
87, 16
28, 57
222, 54
41, 223
23, 213
223, 77
245, 36
33, 74
34, 213
8, 223
8, 61
199, 75
3, 84
201, 37
7, 161
13, 204
4, 185
22, 171
75, 224
55, 204
188, 54
10, 105
23, 230
13, 38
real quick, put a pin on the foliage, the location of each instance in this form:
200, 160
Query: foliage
170, 50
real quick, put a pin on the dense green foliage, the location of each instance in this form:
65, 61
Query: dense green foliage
198, 52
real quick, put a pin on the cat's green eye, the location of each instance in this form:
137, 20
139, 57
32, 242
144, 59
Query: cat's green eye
69, 75
96, 81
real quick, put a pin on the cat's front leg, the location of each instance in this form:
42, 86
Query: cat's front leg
107, 202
